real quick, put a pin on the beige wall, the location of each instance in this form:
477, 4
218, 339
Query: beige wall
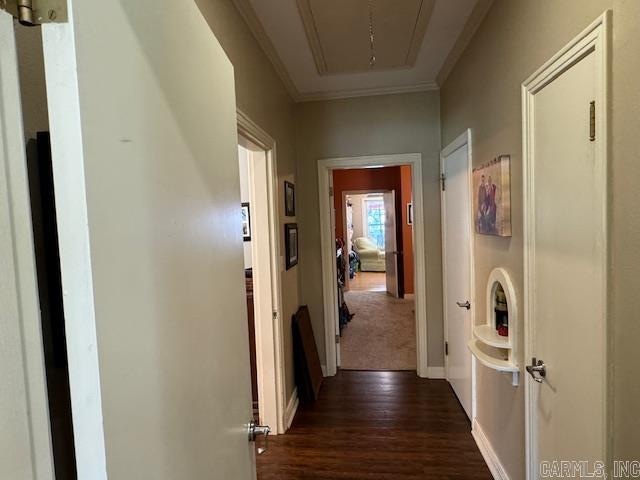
261, 95
483, 93
380, 125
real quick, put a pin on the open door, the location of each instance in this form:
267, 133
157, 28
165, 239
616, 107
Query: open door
25, 442
457, 269
392, 256
144, 145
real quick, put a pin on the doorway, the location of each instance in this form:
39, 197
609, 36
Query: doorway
457, 268
365, 238
260, 229
377, 316
333, 211
565, 116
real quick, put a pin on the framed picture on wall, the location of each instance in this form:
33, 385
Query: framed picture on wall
410, 213
291, 244
492, 197
246, 222
289, 199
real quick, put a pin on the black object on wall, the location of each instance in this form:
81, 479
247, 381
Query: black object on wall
47, 254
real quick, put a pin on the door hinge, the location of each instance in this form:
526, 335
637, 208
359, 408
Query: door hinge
443, 180
592, 121
36, 12
337, 338
446, 348
274, 315
331, 191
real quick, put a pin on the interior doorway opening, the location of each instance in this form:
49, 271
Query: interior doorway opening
377, 315
260, 226
373, 285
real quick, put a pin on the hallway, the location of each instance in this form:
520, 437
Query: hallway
375, 426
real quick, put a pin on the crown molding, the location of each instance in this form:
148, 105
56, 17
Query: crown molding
247, 12
470, 28
366, 92
419, 31
310, 30
313, 37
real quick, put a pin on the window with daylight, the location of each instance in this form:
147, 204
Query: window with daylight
373, 213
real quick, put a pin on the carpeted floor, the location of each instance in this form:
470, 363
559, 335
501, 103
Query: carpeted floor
381, 335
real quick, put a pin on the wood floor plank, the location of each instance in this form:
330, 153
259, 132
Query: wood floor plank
377, 426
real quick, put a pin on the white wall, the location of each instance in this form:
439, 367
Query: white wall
243, 160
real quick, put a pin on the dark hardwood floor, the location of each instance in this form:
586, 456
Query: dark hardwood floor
377, 425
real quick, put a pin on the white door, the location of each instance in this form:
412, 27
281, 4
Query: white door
566, 275
456, 238
145, 147
390, 243
25, 445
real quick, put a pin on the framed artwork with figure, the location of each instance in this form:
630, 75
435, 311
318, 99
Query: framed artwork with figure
492, 197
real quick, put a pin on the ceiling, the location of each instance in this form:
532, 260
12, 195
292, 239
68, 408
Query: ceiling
321, 48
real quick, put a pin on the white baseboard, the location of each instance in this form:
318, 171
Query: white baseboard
493, 462
435, 372
292, 407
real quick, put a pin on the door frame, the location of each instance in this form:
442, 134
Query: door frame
23, 319
464, 139
330, 304
344, 215
269, 328
595, 37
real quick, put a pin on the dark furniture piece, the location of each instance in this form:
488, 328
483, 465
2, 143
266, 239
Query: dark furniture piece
308, 373
248, 282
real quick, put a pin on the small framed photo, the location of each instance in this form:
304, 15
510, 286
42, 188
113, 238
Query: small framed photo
410, 213
289, 199
291, 244
246, 222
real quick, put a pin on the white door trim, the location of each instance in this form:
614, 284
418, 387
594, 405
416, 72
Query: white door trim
325, 169
269, 331
595, 37
75, 251
465, 138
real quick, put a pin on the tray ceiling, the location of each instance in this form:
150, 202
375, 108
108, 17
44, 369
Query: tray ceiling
338, 33
321, 48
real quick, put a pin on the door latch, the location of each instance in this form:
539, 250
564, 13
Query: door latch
537, 369
255, 431
466, 305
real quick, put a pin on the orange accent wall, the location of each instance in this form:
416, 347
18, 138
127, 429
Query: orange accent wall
388, 178
406, 197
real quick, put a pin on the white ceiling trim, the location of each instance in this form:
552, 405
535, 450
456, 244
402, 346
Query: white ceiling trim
253, 22
366, 92
246, 10
315, 44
